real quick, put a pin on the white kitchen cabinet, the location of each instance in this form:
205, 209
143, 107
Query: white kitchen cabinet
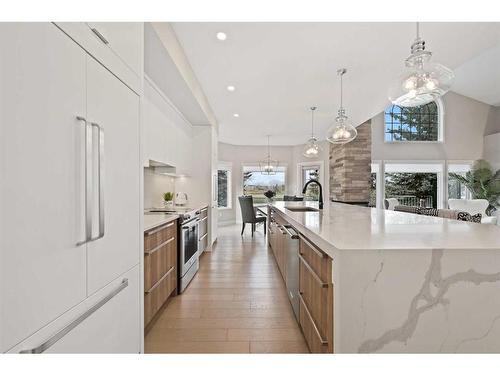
115, 108
168, 137
42, 269
124, 38
117, 45
47, 274
114, 307
154, 134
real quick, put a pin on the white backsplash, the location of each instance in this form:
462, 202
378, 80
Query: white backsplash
154, 186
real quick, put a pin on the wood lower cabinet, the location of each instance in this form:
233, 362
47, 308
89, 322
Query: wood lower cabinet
315, 285
160, 268
316, 298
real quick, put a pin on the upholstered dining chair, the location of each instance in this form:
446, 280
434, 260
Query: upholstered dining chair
248, 214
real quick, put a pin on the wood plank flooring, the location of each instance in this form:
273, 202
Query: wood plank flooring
237, 303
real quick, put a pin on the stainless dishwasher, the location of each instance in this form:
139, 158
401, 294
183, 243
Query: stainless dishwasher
292, 267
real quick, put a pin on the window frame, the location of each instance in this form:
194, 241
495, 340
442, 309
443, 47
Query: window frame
441, 133
418, 166
256, 165
300, 174
226, 166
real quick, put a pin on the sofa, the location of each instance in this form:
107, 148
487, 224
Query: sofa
473, 207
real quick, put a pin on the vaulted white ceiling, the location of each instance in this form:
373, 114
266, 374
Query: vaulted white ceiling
281, 69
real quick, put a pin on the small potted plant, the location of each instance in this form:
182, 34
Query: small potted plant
269, 195
168, 199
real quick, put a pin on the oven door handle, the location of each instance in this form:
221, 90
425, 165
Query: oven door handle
190, 224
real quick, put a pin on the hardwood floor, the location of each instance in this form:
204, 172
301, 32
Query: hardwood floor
237, 303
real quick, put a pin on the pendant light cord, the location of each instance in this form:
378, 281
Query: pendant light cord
418, 30
341, 90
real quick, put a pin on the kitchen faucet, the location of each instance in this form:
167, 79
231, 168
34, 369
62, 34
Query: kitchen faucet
320, 191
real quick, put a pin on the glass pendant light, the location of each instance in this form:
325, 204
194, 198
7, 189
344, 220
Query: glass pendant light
341, 131
423, 81
312, 149
268, 166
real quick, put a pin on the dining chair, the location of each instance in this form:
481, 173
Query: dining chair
248, 214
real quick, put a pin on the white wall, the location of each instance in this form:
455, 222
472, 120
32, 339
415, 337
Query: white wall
154, 187
465, 121
493, 123
286, 155
492, 149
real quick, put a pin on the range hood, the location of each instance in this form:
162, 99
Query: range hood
163, 168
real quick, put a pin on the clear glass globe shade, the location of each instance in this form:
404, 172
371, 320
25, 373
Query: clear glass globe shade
311, 148
420, 85
341, 131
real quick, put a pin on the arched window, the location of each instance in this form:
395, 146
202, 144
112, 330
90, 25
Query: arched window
410, 124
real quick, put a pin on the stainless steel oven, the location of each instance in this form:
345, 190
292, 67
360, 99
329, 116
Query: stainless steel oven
188, 252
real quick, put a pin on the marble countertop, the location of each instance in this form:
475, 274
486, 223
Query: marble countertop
153, 220
348, 227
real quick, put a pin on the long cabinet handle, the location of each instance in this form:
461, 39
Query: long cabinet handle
159, 281
99, 35
100, 166
292, 236
321, 339
160, 228
68, 328
313, 273
203, 237
88, 180
155, 249
312, 247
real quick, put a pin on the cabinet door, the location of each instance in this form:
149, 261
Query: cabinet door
42, 270
115, 108
125, 39
113, 325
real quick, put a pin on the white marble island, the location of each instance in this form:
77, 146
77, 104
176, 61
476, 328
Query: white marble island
404, 282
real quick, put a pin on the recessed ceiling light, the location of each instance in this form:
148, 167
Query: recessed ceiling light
231, 88
236, 115
221, 36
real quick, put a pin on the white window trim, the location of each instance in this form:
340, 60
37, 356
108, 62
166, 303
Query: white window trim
300, 166
442, 182
227, 166
468, 194
441, 124
256, 164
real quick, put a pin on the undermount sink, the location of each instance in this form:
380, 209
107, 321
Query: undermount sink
301, 209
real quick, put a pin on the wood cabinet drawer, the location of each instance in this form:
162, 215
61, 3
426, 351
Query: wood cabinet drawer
158, 261
318, 261
156, 296
157, 236
316, 297
316, 342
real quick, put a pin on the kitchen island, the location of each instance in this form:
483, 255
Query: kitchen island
399, 282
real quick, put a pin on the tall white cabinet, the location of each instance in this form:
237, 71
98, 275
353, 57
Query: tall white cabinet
62, 184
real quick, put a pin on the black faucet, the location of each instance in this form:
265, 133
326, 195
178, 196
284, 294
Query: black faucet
320, 191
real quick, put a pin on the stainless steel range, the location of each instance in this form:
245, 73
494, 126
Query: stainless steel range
188, 256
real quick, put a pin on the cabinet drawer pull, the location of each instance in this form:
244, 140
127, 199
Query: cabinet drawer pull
160, 228
99, 35
203, 237
159, 281
321, 339
312, 247
159, 246
68, 328
313, 273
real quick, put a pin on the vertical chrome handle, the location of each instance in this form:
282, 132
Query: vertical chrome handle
88, 180
100, 140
